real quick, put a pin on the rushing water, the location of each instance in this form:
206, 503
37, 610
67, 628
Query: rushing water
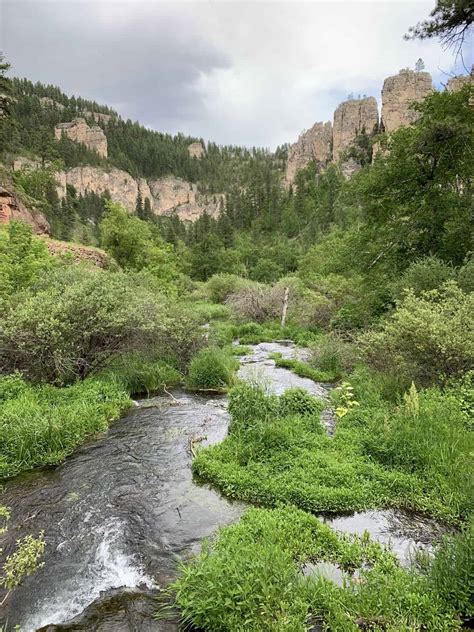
120, 512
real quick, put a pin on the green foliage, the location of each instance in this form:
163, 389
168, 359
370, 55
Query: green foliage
430, 337
141, 373
426, 274
249, 578
41, 425
297, 401
451, 572
76, 322
378, 457
221, 286
23, 260
23, 562
211, 369
333, 355
303, 369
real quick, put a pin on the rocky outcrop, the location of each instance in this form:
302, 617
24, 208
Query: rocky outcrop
120, 184
174, 196
78, 253
46, 102
196, 150
79, 132
313, 144
168, 195
352, 118
398, 93
12, 208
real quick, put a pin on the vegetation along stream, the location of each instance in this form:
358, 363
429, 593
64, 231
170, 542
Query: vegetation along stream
120, 512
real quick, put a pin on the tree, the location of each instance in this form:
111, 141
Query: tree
450, 21
420, 65
139, 206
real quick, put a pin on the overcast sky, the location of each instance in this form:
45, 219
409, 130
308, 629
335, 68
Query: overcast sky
247, 73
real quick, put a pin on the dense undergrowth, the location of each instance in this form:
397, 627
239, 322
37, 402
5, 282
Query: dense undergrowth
250, 578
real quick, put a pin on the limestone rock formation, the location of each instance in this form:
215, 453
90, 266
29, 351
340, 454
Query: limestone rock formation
351, 118
398, 93
196, 150
458, 83
79, 132
168, 195
313, 144
46, 102
174, 196
120, 184
12, 208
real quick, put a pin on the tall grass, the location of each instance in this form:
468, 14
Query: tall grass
211, 369
41, 425
140, 374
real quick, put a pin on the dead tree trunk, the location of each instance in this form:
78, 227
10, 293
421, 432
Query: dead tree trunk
285, 306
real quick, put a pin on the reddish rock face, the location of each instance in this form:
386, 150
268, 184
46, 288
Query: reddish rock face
11, 208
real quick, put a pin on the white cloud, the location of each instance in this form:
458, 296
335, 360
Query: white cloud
253, 73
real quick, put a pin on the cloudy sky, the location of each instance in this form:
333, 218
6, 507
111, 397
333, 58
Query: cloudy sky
248, 73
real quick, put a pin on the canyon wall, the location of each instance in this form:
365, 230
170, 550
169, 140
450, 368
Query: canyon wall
323, 144
168, 195
12, 208
79, 132
398, 93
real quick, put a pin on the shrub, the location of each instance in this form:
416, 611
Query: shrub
333, 354
466, 275
430, 337
252, 302
221, 286
211, 369
297, 401
67, 331
429, 273
451, 573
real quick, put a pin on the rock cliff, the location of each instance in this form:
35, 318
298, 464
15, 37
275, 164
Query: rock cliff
352, 118
196, 150
168, 195
313, 144
79, 132
398, 93
78, 253
12, 208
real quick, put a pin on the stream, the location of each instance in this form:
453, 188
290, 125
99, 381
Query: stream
123, 510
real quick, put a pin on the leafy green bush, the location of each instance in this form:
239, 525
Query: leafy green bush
423, 275
221, 286
42, 425
211, 369
466, 275
333, 355
451, 572
303, 369
429, 337
67, 331
297, 401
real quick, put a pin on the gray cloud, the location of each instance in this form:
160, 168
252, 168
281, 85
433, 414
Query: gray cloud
252, 73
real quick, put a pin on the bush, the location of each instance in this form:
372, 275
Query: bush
297, 401
221, 286
333, 355
69, 330
466, 275
430, 337
211, 369
252, 302
42, 425
423, 275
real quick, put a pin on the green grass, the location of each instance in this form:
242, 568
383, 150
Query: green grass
253, 333
249, 578
303, 369
211, 369
42, 425
141, 375
273, 456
